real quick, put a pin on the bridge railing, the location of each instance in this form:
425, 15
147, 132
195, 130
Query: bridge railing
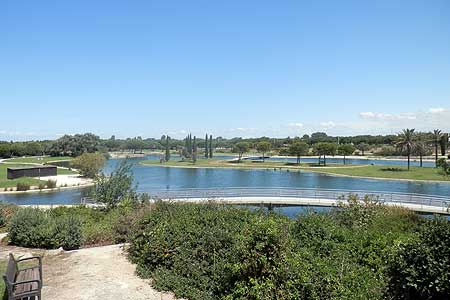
307, 193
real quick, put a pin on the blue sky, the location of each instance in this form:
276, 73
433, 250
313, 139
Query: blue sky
232, 68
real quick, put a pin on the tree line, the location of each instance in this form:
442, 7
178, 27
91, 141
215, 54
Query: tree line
319, 143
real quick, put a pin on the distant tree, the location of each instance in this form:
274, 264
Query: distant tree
298, 149
167, 147
444, 165
5, 150
406, 142
444, 143
320, 137
437, 137
241, 148
420, 149
363, 147
325, 149
263, 147
210, 147
194, 150
89, 164
206, 146
346, 149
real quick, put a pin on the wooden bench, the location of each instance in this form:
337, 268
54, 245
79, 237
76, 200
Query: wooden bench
25, 283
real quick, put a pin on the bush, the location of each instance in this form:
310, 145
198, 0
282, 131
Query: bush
211, 251
50, 184
421, 267
69, 232
117, 187
36, 228
22, 186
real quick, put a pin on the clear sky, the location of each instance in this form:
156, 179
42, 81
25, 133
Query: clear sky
232, 68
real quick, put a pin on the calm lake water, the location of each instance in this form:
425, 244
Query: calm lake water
156, 178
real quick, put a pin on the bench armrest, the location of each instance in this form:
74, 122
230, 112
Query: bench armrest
29, 258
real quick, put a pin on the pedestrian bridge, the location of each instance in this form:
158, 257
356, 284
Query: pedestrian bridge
304, 197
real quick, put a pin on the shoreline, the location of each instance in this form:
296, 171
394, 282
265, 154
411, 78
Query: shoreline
309, 169
34, 189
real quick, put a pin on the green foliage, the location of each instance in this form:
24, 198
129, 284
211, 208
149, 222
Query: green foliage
211, 146
363, 147
40, 229
406, 142
211, 251
89, 164
346, 149
444, 166
70, 227
298, 149
263, 147
74, 145
69, 232
325, 149
421, 267
167, 149
116, 187
22, 186
50, 184
241, 148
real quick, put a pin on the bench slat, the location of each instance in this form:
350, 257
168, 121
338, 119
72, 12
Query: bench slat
29, 274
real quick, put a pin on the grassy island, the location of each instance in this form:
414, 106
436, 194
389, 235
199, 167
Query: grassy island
369, 171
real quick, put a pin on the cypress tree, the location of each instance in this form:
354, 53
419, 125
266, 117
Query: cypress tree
210, 147
189, 144
194, 150
206, 146
167, 156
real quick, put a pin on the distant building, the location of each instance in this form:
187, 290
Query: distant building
32, 171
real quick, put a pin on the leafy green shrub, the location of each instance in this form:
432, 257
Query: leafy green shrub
37, 228
31, 227
421, 267
69, 232
211, 251
173, 236
41, 186
22, 186
50, 184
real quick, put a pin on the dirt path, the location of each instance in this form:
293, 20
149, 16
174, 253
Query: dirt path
94, 274
89, 274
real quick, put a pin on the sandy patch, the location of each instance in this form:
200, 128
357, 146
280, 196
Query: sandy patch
69, 180
94, 274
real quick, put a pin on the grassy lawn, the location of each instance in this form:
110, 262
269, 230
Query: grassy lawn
391, 172
4, 182
244, 164
388, 172
37, 160
2, 282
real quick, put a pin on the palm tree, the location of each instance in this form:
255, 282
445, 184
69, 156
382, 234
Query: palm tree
406, 142
437, 136
420, 148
